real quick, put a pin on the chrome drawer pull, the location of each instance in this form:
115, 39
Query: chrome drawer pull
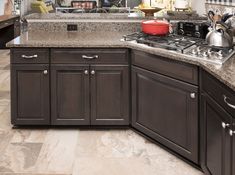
90, 57
225, 125
29, 57
230, 105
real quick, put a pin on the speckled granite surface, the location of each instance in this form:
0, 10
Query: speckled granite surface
225, 73
92, 26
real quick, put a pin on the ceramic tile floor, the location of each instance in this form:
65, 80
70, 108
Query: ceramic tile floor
77, 152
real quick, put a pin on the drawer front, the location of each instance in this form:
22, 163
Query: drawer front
97, 56
171, 68
219, 92
29, 56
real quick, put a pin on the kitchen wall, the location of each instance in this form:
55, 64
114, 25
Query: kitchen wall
6, 7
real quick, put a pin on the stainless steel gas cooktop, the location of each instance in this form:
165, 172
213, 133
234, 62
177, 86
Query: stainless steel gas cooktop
194, 47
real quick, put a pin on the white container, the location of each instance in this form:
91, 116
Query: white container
181, 4
2, 6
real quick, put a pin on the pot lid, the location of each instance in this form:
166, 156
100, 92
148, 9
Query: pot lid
156, 22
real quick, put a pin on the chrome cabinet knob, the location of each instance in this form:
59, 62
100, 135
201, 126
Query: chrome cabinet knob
45, 72
231, 132
225, 125
86, 72
93, 72
193, 95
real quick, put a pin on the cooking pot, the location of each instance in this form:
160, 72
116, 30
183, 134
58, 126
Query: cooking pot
155, 27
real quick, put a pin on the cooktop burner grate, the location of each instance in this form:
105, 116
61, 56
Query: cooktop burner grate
194, 47
170, 42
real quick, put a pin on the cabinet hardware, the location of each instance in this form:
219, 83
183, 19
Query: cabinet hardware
45, 72
231, 132
86, 72
92, 72
192, 95
230, 105
29, 56
90, 57
225, 125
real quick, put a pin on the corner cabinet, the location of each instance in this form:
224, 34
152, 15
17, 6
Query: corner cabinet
217, 127
164, 108
30, 86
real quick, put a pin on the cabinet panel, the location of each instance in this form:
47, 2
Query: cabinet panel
30, 94
90, 56
70, 95
216, 141
110, 95
223, 95
26, 55
166, 66
163, 109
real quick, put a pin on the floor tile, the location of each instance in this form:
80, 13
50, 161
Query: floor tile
58, 151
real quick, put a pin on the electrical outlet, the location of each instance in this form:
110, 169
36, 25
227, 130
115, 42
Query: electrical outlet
72, 27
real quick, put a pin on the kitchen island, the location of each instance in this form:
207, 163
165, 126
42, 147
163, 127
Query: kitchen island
95, 79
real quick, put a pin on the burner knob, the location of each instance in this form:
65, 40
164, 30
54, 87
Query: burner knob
197, 34
198, 49
181, 31
220, 53
194, 52
205, 54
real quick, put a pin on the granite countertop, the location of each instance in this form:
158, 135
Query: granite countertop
225, 73
7, 17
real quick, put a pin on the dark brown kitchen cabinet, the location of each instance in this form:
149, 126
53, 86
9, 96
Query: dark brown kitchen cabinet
217, 127
30, 94
166, 110
216, 141
70, 102
109, 95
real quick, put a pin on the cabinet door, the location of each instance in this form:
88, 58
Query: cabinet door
215, 139
166, 110
109, 95
70, 95
30, 94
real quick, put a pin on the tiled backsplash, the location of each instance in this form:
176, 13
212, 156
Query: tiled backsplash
221, 8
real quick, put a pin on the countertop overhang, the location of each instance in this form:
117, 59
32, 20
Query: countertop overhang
225, 73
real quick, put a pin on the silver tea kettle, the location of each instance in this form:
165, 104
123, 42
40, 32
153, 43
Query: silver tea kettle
220, 36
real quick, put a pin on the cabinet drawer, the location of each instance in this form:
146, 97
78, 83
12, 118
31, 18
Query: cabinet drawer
171, 68
29, 56
219, 92
98, 56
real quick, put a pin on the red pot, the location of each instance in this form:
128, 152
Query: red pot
155, 27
